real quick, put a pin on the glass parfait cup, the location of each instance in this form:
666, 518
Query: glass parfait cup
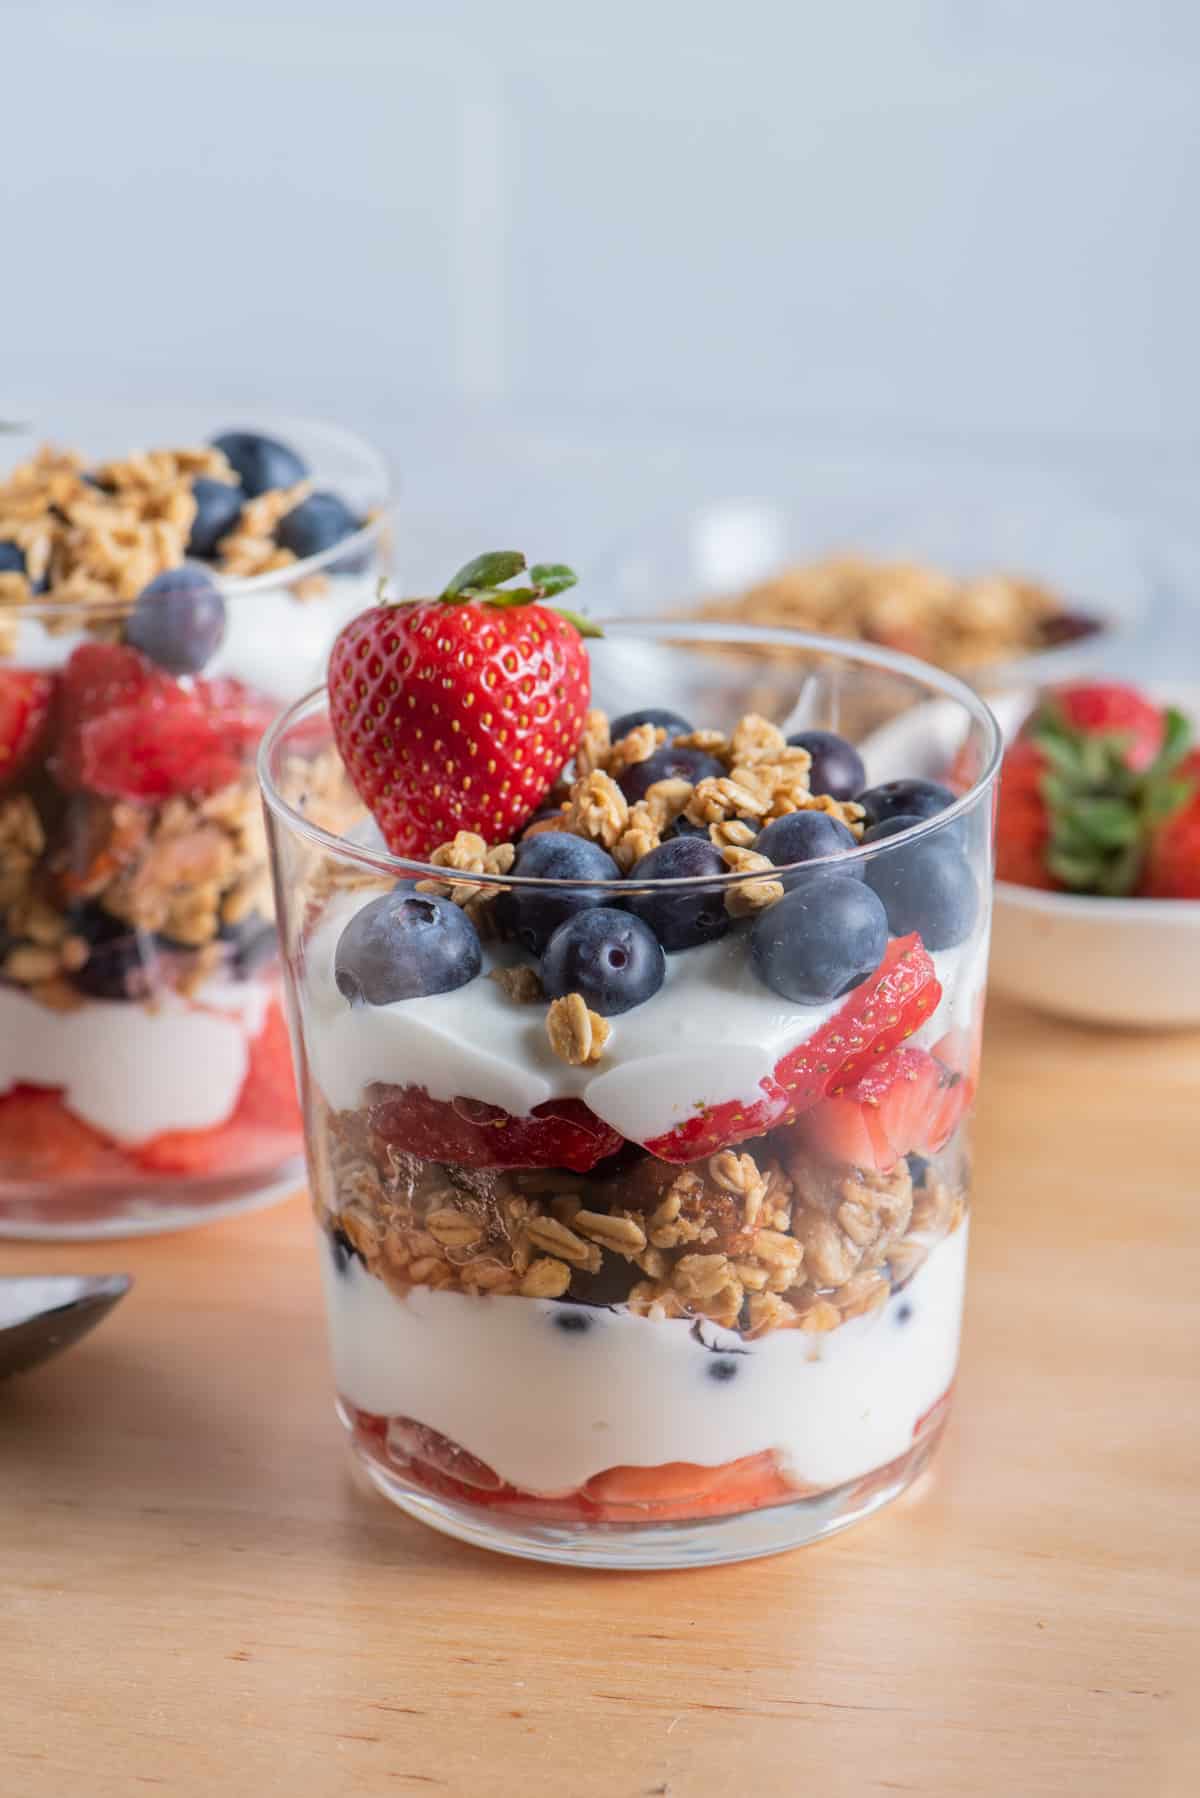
682, 1285
145, 1071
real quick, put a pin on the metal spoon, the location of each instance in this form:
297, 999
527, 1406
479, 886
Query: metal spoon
41, 1314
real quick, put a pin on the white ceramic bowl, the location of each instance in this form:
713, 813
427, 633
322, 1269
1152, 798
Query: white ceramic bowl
965, 525
1132, 963
1127, 962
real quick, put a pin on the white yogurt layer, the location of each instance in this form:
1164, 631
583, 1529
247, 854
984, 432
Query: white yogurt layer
280, 645
273, 642
626, 1391
710, 1034
134, 1072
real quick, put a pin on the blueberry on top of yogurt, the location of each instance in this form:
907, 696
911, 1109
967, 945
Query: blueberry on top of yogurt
406, 945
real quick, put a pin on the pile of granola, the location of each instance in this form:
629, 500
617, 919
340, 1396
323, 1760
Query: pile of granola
93, 536
740, 1238
910, 606
189, 871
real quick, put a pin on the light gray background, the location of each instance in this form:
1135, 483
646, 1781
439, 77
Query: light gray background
564, 261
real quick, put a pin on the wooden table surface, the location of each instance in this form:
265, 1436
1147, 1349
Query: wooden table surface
198, 1595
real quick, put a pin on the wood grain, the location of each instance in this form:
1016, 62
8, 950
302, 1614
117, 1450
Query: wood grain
199, 1596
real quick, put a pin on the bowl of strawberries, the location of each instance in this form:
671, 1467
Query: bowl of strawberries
1097, 914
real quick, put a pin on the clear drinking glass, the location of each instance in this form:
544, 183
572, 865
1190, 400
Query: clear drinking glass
698, 1299
145, 1072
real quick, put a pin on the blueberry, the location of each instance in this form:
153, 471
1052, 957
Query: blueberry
683, 827
573, 1322
12, 561
668, 763
671, 722
837, 768
178, 620
122, 963
260, 463
926, 886
251, 942
344, 1251
609, 957
721, 1370
620, 1163
918, 1168
531, 917
609, 1286
539, 817
316, 524
801, 837
820, 940
681, 920
405, 945
912, 798
218, 508
903, 1313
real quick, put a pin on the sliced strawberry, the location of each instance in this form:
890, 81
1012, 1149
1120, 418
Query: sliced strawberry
677, 1489
26, 702
961, 1051
878, 1016
673, 1489
42, 1139
131, 731
561, 1133
883, 1012
230, 1148
716, 1126
408, 1441
269, 1093
908, 1102
263, 1128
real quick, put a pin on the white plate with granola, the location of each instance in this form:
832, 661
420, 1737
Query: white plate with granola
1029, 591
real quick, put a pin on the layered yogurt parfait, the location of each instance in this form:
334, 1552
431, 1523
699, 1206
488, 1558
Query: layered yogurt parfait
157, 608
639, 1033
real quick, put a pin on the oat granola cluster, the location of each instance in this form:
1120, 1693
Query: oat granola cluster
93, 537
766, 779
951, 621
189, 871
740, 1238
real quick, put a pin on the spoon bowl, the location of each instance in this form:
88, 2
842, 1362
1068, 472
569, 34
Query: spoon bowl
43, 1314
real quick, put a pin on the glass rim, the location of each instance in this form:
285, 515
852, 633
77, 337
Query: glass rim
233, 586
397, 867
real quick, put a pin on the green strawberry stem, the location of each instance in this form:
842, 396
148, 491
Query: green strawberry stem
489, 570
1102, 813
483, 580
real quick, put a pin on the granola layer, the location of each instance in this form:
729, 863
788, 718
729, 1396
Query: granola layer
742, 1239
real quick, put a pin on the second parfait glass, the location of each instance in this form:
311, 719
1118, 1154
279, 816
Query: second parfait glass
145, 1072
684, 1284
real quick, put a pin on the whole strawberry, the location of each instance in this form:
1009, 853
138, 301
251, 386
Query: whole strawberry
1173, 863
1110, 710
1023, 818
458, 713
1086, 786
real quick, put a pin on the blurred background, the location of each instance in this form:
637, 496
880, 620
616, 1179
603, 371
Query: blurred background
570, 266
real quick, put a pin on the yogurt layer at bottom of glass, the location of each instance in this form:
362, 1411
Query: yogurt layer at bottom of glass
550, 1394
